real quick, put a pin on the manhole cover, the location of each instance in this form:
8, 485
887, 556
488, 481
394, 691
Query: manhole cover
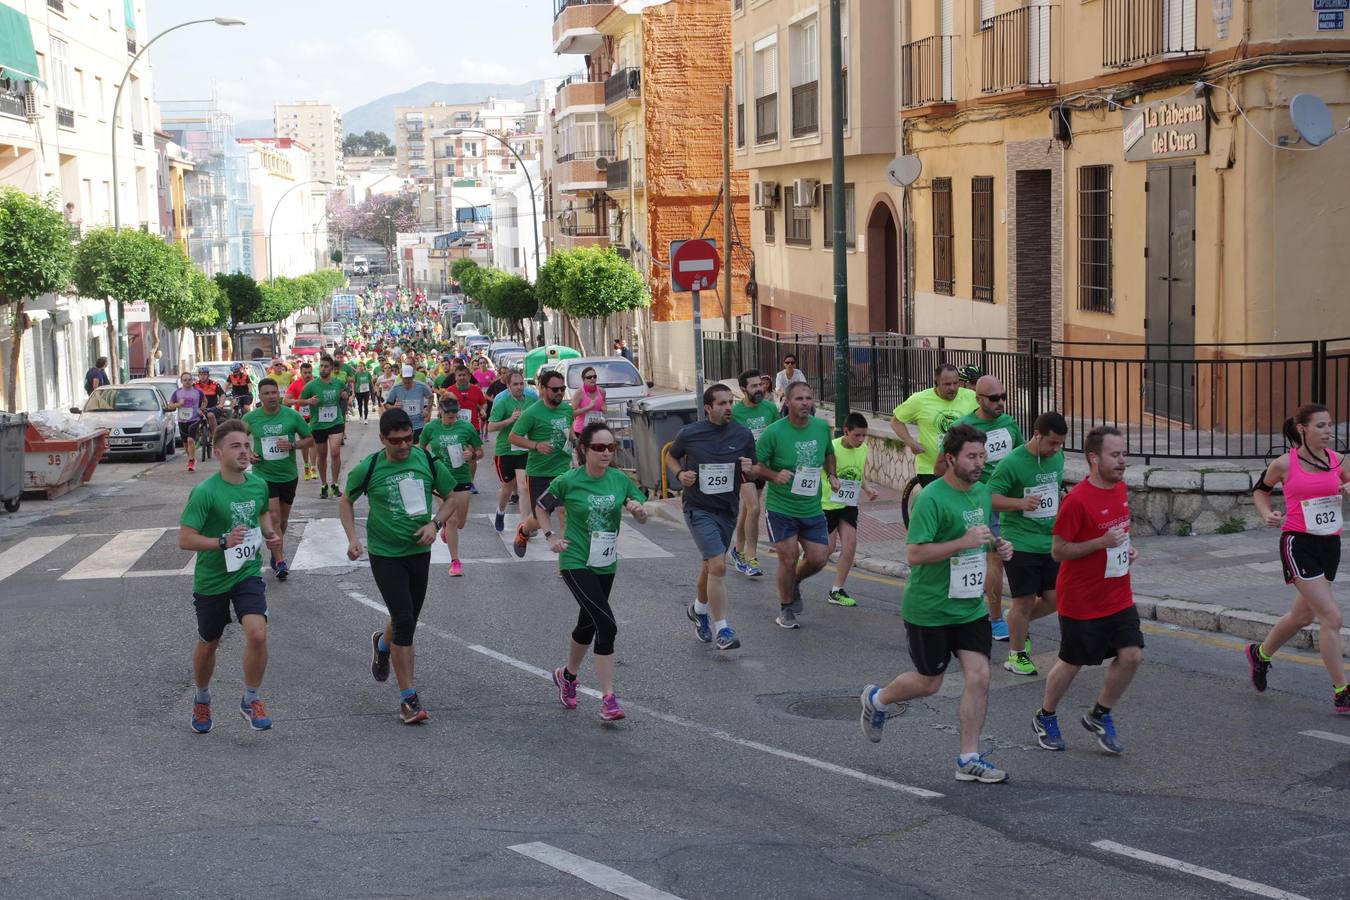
830, 709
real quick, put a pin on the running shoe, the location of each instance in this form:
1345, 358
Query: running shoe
739, 562
323, 492
282, 569
610, 710
515, 498
1105, 730
980, 769
1342, 700
1047, 731
192, 465
873, 719
521, 543
1000, 629
840, 597
787, 618
567, 690
411, 711
310, 474
1259, 667
1019, 663
473, 488
337, 492
255, 714
456, 569
379, 659
201, 717
752, 569
499, 521
701, 625
727, 640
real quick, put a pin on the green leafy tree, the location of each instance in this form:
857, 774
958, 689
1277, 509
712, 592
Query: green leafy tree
242, 295
460, 268
371, 143
599, 282
36, 258
512, 299
335, 257
197, 306
130, 265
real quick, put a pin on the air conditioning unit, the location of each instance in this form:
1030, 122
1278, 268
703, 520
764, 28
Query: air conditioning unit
30, 102
804, 192
764, 195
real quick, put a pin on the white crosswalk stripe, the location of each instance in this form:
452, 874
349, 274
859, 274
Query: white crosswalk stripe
115, 558
29, 551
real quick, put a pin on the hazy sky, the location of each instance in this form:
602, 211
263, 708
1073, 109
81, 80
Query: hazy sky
346, 52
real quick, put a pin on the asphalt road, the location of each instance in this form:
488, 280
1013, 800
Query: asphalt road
739, 774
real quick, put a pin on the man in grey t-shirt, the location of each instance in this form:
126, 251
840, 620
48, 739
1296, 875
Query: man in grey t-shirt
411, 396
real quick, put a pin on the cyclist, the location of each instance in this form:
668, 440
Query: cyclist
212, 391
241, 389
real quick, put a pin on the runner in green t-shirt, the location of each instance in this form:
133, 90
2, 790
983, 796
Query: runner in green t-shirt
507, 408
400, 528
943, 605
457, 444
793, 454
542, 430
1026, 486
841, 506
226, 522
361, 380
278, 431
327, 396
594, 496
934, 411
755, 413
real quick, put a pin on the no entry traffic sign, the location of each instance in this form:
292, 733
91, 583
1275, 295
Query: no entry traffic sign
694, 265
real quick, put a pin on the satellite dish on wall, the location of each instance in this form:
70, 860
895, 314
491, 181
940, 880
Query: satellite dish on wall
1312, 119
904, 170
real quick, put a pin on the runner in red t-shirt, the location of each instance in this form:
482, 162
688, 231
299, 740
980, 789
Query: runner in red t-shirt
471, 400
1097, 617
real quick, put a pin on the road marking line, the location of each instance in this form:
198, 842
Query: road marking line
611, 881
1242, 884
114, 558
1328, 736
706, 730
29, 551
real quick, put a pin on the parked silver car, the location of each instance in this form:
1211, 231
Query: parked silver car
619, 379
137, 418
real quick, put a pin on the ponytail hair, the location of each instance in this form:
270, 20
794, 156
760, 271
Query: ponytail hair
1302, 416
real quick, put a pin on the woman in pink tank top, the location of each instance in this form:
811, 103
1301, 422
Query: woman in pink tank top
1315, 480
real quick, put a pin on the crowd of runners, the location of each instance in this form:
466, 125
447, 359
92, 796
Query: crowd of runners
993, 509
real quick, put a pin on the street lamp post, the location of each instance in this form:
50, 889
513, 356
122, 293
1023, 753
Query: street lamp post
124, 363
271, 276
529, 182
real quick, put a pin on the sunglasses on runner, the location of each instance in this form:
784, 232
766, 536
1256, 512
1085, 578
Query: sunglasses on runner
995, 398
603, 448
559, 388
399, 441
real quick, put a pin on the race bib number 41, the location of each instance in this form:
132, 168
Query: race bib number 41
604, 549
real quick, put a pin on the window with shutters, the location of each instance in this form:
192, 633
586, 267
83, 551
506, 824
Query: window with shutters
770, 226
850, 218
1094, 239
944, 281
766, 89
982, 237
1138, 32
985, 13
804, 47
797, 220
61, 89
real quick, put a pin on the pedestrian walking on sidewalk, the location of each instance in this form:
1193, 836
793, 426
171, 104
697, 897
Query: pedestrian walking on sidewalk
711, 458
594, 496
226, 522
1097, 616
943, 606
1315, 482
755, 413
841, 506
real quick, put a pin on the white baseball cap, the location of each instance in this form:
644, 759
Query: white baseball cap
408, 372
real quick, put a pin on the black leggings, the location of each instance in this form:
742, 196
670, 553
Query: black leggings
363, 403
402, 581
596, 619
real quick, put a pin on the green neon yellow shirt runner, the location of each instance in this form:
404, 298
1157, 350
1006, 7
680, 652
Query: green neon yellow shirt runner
285, 422
785, 446
941, 514
593, 505
391, 530
849, 465
757, 417
540, 424
439, 438
502, 408
328, 413
934, 416
213, 508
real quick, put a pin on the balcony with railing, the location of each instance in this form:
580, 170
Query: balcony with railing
624, 86
575, 25
575, 91
582, 228
1139, 32
623, 174
11, 98
806, 109
928, 71
766, 119
1017, 50
577, 172
65, 118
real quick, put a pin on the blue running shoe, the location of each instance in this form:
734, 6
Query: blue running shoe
255, 714
1047, 731
873, 719
1000, 629
473, 488
738, 561
727, 640
1105, 730
752, 568
282, 568
201, 717
702, 627
499, 521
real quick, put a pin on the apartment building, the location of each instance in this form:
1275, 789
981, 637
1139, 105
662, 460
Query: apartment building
287, 235
413, 128
472, 159
220, 204
319, 127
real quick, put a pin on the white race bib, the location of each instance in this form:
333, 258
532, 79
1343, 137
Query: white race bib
466, 415
806, 481
1322, 515
604, 549
716, 478
455, 453
269, 448
592, 417
327, 414
1047, 501
756, 431
997, 444
967, 575
414, 497
185, 413
242, 554
1118, 560
848, 492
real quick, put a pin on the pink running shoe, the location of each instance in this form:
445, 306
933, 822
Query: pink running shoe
610, 710
455, 568
567, 690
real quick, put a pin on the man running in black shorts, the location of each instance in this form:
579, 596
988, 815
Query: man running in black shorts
543, 431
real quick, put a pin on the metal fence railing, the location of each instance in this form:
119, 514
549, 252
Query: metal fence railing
1204, 401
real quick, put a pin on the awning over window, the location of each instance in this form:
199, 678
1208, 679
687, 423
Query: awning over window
130, 7
17, 57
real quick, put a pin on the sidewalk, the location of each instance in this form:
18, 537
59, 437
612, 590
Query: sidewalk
1228, 583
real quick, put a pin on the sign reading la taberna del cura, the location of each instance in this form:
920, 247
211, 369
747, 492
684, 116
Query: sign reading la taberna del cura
1165, 129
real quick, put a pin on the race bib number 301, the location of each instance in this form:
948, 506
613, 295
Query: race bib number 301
242, 554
